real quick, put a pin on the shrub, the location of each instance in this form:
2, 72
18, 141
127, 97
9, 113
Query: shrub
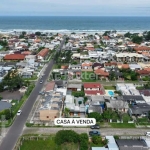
63, 136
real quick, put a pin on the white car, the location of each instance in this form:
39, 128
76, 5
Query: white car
19, 112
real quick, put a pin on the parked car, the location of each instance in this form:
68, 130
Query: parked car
41, 93
96, 126
41, 81
91, 133
19, 112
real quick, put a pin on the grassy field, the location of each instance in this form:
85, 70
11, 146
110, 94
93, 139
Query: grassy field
47, 144
122, 125
88, 76
109, 87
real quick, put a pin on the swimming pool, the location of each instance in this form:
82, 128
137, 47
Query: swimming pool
111, 93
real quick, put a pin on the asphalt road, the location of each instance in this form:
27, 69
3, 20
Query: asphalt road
16, 129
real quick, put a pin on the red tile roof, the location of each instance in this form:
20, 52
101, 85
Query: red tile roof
92, 85
142, 48
111, 63
14, 57
43, 52
50, 86
64, 67
94, 92
101, 72
87, 64
143, 72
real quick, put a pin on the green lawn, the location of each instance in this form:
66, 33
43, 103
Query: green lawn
122, 125
109, 87
47, 144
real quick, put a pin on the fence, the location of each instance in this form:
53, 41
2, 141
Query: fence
23, 138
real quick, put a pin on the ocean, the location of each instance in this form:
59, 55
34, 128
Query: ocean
73, 24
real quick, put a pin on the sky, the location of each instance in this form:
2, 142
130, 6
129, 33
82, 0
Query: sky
74, 7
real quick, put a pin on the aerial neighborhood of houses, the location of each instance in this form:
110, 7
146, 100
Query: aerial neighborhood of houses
102, 76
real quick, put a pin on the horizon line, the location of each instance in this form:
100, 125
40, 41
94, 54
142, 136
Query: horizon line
70, 16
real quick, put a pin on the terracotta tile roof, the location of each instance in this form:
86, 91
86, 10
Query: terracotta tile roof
148, 69
142, 48
50, 86
106, 37
87, 64
123, 66
101, 72
111, 63
90, 48
64, 67
94, 92
14, 57
43, 52
92, 85
143, 72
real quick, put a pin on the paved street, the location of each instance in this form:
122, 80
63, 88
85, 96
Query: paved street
16, 129
103, 131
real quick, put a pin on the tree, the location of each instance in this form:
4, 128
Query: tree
147, 37
64, 136
79, 102
107, 114
38, 33
137, 39
83, 139
106, 33
95, 115
85, 99
66, 112
128, 34
96, 139
6, 113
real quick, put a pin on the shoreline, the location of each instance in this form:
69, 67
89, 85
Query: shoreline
8, 31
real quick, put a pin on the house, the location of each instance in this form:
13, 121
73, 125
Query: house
74, 107
14, 57
110, 65
142, 49
78, 66
139, 110
143, 73
131, 144
50, 86
135, 67
123, 66
42, 55
111, 143
30, 59
48, 115
87, 65
93, 89
4, 105
118, 105
116, 72
101, 73
74, 86
76, 56
129, 57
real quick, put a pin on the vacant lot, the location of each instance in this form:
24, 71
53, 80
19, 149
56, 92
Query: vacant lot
47, 144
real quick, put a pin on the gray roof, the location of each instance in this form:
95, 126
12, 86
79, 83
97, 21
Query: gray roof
98, 98
140, 108
4, 105
129, 144
133, 98
75, 85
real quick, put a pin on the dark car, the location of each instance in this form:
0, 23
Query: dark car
96, 126
91, 133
